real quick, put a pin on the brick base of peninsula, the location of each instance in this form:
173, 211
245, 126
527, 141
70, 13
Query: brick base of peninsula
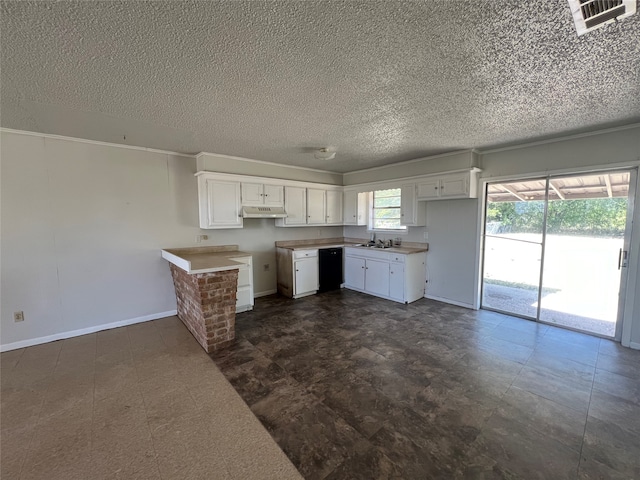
207, 305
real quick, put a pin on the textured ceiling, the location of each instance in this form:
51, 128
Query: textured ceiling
382, 81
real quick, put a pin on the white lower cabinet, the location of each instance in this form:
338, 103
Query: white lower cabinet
244, 293
354, 272
396, 281
394, 276
305, 273
376, 279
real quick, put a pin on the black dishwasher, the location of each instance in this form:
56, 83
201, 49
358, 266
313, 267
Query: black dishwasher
330, 269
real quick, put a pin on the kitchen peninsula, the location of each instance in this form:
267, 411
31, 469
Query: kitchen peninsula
211, 284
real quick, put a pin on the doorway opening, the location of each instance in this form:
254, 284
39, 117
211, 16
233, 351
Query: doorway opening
555, 249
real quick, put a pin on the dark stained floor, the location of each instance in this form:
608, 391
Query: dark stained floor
352, 386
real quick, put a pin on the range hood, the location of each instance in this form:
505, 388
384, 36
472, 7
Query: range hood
263, 212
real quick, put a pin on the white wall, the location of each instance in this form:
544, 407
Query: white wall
452, 251
82, 228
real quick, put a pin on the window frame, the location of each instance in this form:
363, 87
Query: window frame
403, 230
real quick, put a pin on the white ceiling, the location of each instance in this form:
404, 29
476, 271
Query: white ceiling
382, 81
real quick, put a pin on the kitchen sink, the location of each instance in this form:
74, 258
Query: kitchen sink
372, 246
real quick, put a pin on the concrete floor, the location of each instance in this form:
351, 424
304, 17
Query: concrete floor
352, 386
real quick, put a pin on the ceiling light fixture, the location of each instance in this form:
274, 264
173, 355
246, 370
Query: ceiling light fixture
325, 153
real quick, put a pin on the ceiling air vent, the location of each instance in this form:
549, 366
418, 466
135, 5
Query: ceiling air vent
591, 14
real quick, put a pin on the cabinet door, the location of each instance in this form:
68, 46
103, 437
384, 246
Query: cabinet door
316, 207
396, 281
354, 272
274, 195
455, 186
295, 203
306, 275
355, 208
429, 189
222, 205
376, 279
350, 210
334, 207
252, 194
408, 204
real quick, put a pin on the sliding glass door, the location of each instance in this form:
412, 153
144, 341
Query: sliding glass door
554, 249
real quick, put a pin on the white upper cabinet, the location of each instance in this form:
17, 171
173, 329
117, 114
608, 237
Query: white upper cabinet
412, 212
316, 206
274, 195
219, 203
259, 194
355, 208
454, 185
295, 204
429, 189
334, 207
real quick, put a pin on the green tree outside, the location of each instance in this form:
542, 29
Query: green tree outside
594, 216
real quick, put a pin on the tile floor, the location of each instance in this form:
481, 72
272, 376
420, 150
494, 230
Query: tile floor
352, 386
139, 402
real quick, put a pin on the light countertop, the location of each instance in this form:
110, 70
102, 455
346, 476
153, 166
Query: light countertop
205, 259
350, 242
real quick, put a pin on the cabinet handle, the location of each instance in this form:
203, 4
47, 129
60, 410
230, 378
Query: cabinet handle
436, 187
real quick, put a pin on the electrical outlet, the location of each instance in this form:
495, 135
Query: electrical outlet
198, 239
426, 235
266, 267
18, 316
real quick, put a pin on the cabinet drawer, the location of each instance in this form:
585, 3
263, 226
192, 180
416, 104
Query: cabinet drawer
398, 258
304, 253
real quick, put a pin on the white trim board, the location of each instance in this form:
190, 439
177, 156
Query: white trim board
415, 160
634, 345
264, 162
451, 302
558, 139
84, 331
94, 142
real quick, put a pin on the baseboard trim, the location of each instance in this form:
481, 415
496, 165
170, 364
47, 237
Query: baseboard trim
452, 302
634, 345
84, 331
265, 293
